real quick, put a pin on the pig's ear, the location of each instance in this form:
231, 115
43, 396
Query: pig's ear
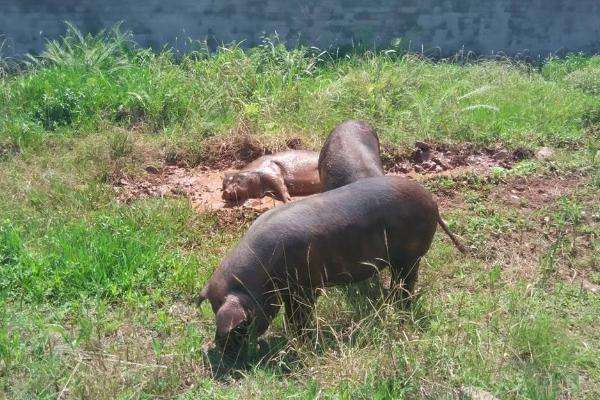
230, 315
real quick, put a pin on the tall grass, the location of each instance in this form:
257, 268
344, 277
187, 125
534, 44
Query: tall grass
103, 51
3, 62
83, 82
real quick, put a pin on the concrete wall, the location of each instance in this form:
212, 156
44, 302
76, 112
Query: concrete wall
537, 27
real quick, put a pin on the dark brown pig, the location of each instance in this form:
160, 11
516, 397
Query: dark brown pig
335, 238
285, 174
350, 153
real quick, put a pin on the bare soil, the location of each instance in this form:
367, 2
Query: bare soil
536, 192
201, 185
561, 247
436, 159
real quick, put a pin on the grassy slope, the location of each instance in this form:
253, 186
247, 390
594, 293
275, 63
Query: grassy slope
95, 296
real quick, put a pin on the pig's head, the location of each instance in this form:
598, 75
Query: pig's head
240, 186
237, 319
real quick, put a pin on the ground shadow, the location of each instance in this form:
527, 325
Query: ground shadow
271, 353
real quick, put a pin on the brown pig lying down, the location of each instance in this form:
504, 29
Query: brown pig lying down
284, 174
335, 238
350, 153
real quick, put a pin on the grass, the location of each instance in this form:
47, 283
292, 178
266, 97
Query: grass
96, 296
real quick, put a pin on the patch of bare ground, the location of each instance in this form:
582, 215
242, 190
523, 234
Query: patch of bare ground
435, 158
545, 242
241, 146
202, 185
531, 193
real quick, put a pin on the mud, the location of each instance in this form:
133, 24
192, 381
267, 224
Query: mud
431, 158
235, 152
202, 185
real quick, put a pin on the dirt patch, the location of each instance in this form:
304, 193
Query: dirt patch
202, 185
535, 192
546, 242
232, 218
432, 158
542, 252
241, 146
233, 152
